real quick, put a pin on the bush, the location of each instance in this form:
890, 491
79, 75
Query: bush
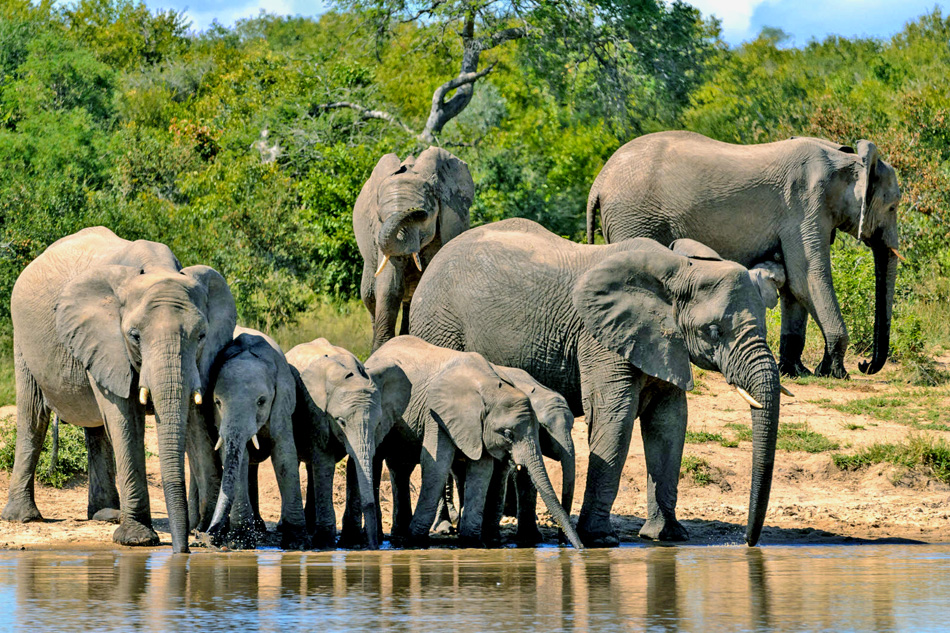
919, 452
71, 455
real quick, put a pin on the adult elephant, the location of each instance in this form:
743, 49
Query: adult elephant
101, 328
613, 329
406, 211
753, 203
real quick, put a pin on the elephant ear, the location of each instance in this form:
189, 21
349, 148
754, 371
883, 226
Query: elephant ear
89, 324
768, 277
694, 250
395, 389
217, 304
454, 187
306, 412
456, 402
864, 188
626, 305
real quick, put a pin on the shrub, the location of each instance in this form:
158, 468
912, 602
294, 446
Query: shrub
71, 455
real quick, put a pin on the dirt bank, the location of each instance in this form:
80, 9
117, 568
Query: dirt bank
812, 500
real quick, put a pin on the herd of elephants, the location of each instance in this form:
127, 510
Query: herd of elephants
508, 332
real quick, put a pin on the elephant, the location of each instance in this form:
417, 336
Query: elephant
260, 410
406, 211
352, 402
613, 328
457, 406
755, 203
103, 328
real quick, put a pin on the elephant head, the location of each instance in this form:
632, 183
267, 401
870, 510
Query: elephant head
350, 399
661, 310
419, 199
156, 330
878, 194
483, 412
251, 386
555, 421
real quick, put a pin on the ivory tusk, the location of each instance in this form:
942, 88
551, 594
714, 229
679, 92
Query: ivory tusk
415, 258
254, 442
786, 391
219, 444
143, 395
382, 265
899, 256
197, 398
748, 398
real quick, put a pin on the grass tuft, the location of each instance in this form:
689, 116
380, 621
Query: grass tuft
919, 452
922, 409
792, 436
697, 469
701, 437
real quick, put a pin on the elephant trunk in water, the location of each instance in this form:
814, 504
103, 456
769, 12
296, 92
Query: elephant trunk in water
527, 453
172, 402
236, 461
885, 275
362, 450
758, 375
400, 232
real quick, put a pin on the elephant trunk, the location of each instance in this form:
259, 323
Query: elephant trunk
759, 377
235, 465
400, 232
567, 478
362, 451
527, 453
885, 276
172, 403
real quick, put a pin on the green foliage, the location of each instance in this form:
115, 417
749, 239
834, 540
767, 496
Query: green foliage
917, 408
919, 452
7, 381
792, 436
697, 469
701, 437
343, 324
71, 459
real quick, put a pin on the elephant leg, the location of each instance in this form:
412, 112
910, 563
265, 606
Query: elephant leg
204, 464
351, 533
404, 322
794, 323
377, 474
478, 479
495, 504
194, 513
436, 459
528, 532
310, 508
293, 524
125, 430
402, 502
663, 428
104, 500
320, 471
443, 520
610, 390
252, 495
368, 290
32, 420
390, 290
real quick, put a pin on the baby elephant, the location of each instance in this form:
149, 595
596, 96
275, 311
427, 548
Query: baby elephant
458, 406
351, 402
256, 400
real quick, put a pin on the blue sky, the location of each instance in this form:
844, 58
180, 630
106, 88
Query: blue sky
741, 19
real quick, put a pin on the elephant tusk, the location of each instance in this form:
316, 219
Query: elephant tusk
415, 258
786, 391
899, 256
748, 398
197, 398
382, 265
219, 444
254, 442
143, 395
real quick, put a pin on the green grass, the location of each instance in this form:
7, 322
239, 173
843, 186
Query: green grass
924, 409
697, 469
7, 382
72, 453
918, 452
792, 436
346, 325
701, 437
851, 426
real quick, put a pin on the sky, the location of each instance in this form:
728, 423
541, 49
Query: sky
741, 20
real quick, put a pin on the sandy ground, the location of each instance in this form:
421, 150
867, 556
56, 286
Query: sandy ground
811, 501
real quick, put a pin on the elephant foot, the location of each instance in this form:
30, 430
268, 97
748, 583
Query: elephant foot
598, 537
470, 542
662, 529
351, 539
793, 369
528, 536
417, 541
323, 538
107, 515
134, 534
294, 537
21, 511
244, 537
832, 368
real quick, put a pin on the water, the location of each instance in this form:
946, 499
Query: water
879, 588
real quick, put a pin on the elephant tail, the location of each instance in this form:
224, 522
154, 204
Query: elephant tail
593, 204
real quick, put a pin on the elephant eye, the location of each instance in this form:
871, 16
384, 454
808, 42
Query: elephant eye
202, 336
217, 402
261, 401
508, 435
134, 335
713, 332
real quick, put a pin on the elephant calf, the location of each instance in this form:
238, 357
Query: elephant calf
261, 410
457, 405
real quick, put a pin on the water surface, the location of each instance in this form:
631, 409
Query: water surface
839, 588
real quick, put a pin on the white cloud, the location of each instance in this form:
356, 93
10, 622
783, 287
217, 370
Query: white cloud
227, 13
736, 15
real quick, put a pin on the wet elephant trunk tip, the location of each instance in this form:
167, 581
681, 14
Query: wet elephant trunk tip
762, 382
528, 455
885, 275
171, 417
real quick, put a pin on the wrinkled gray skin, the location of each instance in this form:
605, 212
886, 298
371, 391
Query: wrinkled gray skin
95, 319
456, 406
255, 393
352, 405
753, 203
613, 329
404, 208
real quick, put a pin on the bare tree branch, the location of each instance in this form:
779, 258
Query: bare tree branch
426, 11
499, 38
366, 113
